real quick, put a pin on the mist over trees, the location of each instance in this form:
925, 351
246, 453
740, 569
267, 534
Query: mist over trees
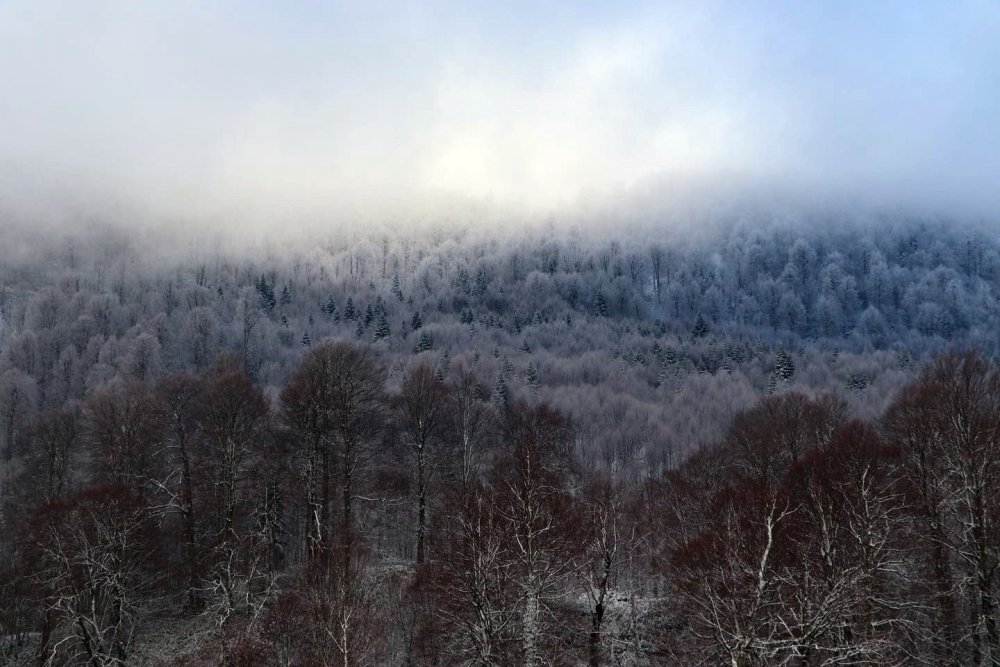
747, 446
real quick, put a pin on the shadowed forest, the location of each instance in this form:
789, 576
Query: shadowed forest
756, 445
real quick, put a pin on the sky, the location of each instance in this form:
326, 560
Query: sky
269, 109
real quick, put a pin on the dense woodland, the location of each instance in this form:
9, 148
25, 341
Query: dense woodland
747, 446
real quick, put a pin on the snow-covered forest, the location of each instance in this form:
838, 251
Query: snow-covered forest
627, 323
757, 444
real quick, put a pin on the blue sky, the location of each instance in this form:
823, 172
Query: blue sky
195, 107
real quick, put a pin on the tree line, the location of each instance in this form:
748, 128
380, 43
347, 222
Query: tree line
346, 520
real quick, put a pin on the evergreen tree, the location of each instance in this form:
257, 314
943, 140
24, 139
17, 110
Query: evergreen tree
306, 340
462, 280
532, 376
369, 315
266, 292
381, 329
481, 282
600, 304
286, 296
857, 382
525, 347
416, 322
500, 396
331, 307
443, 363
396, 289
784, 367
424, 343
662, 374
700, 329
349, 310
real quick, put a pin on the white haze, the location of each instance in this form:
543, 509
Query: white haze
253, 115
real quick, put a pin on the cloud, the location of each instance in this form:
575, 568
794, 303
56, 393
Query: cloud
275, 109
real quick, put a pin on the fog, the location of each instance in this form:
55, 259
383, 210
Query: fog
249, 115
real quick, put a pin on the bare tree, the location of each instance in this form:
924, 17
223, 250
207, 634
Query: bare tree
607, 541
532, 500
358, 401
307, 408
913, 424
420, 414
178, 397
18, 395
472, 422
729, 578
969, 424
122, 425
656, 262
233, 424
473, 578
55, 438
847, 603
91, 554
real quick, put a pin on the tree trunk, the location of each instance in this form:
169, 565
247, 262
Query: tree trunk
596, 620
987, 608
421, 502
530, 627
191, 548
944, 591
348, 499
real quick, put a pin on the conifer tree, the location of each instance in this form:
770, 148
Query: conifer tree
700, 329
532, 376
600, 305
424, 343
662, 374
784, 367
381, 329
500, 396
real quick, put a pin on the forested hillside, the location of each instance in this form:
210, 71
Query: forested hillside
637, 322
738, 446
